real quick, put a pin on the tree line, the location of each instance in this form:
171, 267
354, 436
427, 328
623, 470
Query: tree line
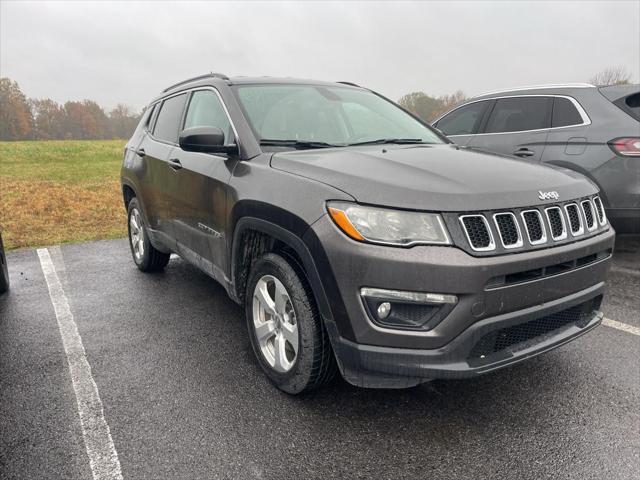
23, 118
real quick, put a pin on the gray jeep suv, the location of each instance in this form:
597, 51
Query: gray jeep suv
357, 238
594, 131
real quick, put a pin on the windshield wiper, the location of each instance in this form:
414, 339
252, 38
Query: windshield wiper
299, 144
382, 141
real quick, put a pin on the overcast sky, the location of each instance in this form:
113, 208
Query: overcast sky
114, 52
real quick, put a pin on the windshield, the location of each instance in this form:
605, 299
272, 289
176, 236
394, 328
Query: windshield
327, 116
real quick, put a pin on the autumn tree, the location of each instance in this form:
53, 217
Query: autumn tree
102, 127
48, 119
447, 102
420, 104
16, 122
123, 121
611, 76
429, 108
85, 120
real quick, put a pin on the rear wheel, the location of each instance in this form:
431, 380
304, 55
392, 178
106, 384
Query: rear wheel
286, 332
4, 270
145, 256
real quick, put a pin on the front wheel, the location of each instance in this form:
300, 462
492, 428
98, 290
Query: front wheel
145, 256
286, 332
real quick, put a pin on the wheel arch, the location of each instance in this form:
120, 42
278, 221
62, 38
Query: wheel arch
130, 191
253, 236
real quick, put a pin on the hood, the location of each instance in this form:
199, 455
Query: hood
433, 177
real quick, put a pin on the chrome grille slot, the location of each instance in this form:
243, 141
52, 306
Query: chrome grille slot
587, 209
602, 218
557, 224
575, 220
534, 225
508, 229
478, 233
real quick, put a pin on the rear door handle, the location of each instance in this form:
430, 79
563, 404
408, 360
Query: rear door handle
140, 152
175, 163
524, 152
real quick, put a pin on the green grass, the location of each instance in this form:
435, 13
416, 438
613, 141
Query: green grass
60, 191
62, 161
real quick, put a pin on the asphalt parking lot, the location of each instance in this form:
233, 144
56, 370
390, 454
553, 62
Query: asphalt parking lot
184, 399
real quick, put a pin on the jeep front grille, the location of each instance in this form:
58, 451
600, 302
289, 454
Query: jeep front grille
602, 218
534, 226
478, 232
556, 223
525, 228
587, 209
508, 230
575, 220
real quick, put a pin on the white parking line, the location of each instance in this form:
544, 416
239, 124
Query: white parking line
621, 326
103, 457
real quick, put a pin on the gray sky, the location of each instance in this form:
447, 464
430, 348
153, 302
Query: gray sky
112, 51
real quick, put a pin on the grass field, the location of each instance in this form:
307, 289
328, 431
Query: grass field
60, 191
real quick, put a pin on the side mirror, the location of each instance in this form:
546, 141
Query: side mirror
205, 140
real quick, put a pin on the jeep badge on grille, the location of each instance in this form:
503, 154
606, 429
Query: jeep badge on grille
548, 195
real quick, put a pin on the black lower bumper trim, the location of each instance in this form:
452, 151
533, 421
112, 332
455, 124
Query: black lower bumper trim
386, 367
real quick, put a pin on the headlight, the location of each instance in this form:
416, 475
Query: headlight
390, 227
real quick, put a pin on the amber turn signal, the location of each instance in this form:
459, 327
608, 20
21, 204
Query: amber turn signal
343, 222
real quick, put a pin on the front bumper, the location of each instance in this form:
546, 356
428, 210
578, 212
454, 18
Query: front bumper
370, 355
384, 367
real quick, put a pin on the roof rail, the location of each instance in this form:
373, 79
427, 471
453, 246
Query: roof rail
351, 84
199, 77
537, 87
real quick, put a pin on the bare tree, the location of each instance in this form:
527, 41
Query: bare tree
611, 76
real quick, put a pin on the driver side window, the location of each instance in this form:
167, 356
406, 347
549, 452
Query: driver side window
206, 110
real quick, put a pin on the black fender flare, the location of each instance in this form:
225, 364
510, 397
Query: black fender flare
128, 183
292, 241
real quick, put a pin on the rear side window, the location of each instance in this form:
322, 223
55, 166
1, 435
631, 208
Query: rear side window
519, 114
565, 113
149, 117
631, 105
168, 122
464, 120
206, 110
144, 122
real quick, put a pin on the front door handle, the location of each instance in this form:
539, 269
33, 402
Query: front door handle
524, 152
175, 163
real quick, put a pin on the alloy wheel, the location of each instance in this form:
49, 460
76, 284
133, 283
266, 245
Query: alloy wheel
136, 234
275, 324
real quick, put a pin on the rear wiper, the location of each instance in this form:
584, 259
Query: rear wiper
300, 144
381, 141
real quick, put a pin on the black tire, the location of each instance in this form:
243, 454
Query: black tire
151, 259
4, 270
314, 365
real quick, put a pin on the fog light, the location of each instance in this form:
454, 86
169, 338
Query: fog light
384, 309
404, 310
